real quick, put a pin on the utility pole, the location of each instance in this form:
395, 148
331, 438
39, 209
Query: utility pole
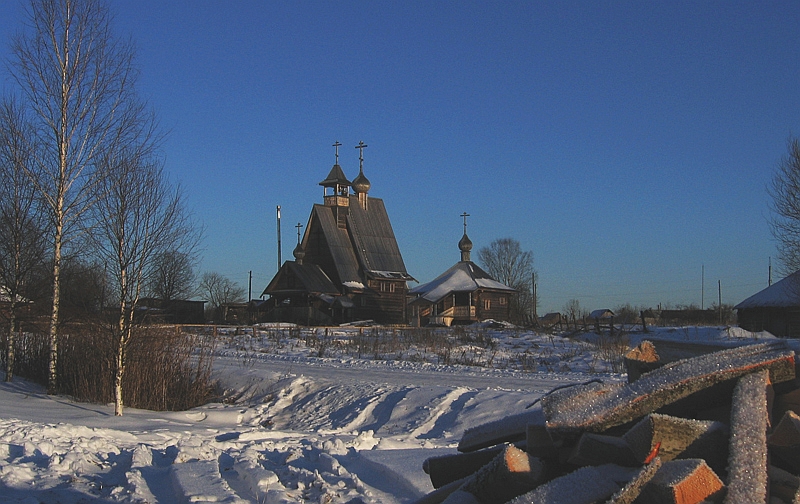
770, 272
702, 286
279, 238
719, 304
250, 287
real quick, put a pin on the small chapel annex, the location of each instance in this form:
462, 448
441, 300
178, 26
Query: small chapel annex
463, 294
347, 266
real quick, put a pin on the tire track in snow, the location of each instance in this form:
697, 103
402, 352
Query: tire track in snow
440, 410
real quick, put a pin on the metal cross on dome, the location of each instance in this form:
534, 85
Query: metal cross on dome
336, 145
361, 145
298, 226
465, 215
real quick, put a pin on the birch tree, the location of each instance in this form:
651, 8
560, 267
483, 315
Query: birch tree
22, 249
138, 215
77, 81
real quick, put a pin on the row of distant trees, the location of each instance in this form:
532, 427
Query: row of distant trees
87, 213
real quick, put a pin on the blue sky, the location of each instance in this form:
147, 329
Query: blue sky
627, 144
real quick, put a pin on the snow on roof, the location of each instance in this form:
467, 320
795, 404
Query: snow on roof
464, 276
601, 314
781, 294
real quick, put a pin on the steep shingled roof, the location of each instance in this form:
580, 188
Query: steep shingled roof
310, 276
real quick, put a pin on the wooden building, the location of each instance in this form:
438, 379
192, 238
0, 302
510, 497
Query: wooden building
463, 294
175, 311
775, 309
348, 265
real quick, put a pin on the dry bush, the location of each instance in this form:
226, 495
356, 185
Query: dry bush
612, 349
167, 369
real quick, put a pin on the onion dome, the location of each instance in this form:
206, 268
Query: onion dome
299, 253
465, 244
361, 183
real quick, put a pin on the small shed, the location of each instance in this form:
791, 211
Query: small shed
775, 309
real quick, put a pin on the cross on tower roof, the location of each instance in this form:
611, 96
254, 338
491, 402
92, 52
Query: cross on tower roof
336, 145
298, 226
361, 145
465, 215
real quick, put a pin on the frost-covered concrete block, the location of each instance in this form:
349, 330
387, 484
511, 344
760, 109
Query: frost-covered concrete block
688, 481
784, 485
196, 482
443, 492
599, 449
747, 458
597, 407
509, 429
784, 441
539, 443
631, 491
448, 468
511, 473
653, 353
586, 485
461, 497
786, 401
679, 438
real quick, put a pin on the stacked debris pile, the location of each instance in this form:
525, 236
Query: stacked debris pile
695, 425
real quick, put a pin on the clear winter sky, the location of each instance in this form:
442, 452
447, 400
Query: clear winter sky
627, 144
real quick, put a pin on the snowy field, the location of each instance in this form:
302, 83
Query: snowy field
306, 417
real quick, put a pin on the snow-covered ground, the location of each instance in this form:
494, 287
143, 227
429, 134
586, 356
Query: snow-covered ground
304, 418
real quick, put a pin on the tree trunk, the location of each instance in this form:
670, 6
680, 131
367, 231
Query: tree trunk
10, 350
123, 337
52, 381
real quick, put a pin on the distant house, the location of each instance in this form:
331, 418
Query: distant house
348, 265
775, 309
175, 311
603, 315
552, 319
463, 294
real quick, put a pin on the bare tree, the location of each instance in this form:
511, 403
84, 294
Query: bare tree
219, 290
22, 248
77, 81
505, 260
573, 311
785, 193
172, 276
138, 216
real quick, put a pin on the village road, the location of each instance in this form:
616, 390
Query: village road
406, 373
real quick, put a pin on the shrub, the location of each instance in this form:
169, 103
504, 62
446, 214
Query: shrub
167, 369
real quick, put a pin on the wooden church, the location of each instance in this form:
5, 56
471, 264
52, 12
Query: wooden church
347, 266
